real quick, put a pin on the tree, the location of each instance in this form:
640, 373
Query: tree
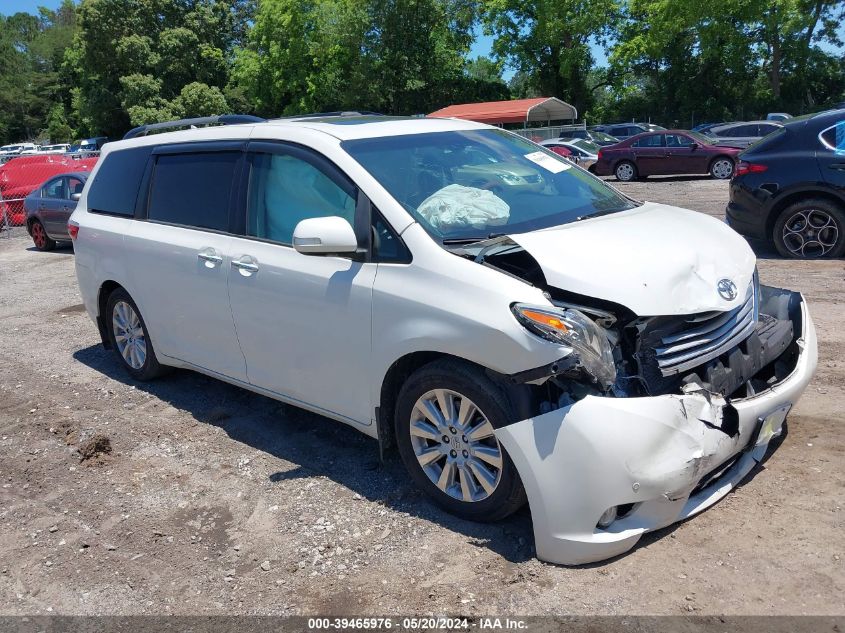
548, 42
132, 60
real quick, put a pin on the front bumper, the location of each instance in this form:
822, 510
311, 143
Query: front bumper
651, 452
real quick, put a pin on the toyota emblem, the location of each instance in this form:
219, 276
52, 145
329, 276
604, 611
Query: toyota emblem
727, 289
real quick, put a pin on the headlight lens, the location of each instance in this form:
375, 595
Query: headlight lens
576, 330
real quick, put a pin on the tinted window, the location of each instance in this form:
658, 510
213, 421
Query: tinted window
54, 189
742, 130
193, 189
115, 188
285, 189
655, 140
618, 131
387, 247
766, 128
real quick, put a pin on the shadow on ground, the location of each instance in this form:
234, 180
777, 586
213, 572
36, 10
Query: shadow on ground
318, 446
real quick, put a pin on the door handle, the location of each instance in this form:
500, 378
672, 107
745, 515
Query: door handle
210, 257
839, 166
246, 265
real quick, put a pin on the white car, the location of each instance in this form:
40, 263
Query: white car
583, 151
514, 327
60, 148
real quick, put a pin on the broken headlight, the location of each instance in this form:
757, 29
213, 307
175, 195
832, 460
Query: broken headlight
576, 330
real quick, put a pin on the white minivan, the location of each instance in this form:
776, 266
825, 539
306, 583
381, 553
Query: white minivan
515, 328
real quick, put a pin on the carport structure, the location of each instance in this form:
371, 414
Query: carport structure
537, 110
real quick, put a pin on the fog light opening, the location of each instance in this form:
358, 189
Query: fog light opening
607, 517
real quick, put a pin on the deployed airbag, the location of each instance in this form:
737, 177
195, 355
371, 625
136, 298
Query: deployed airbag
459, 206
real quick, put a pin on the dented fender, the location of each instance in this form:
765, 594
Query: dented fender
649, 452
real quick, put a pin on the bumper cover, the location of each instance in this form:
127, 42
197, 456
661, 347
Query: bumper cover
652, 452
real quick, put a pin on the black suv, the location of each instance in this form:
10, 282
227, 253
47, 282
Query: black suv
789, 188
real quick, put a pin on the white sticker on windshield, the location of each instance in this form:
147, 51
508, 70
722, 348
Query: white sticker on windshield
547, 162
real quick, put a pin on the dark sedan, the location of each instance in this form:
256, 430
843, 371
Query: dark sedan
789, 188
48, 209
666, 153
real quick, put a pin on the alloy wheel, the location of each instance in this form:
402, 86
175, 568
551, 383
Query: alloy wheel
810, 233
129, 335
455, 445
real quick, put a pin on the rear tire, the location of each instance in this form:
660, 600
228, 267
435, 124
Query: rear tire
810, 229
722, 168
129, 337
625, 171
42, 241
455, 458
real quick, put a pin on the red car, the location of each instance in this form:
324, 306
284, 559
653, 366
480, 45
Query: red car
22, 175
665, 153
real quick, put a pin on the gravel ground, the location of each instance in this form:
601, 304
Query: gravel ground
190, 496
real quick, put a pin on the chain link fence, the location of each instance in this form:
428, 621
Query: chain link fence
41, 188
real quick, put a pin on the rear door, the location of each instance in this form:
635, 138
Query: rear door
831, 156
50, 205
179, 255
304, 321
650, 154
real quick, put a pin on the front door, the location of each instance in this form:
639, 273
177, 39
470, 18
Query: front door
682, 157
304, 321
50, 206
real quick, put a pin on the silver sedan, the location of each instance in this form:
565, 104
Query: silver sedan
49, 206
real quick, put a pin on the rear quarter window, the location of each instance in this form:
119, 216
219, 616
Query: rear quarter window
115, 186
834, 137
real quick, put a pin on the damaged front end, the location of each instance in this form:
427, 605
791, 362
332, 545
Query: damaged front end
647, 420
694, 403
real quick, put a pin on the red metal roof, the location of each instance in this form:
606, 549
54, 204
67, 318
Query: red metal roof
516, 111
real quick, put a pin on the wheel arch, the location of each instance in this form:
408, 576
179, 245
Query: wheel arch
106, 288
401, 370
795, 196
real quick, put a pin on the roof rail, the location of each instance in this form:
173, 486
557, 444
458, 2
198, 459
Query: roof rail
314, 115
222, 119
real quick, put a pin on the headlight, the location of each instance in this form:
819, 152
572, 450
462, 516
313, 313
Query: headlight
576, 330
510, 179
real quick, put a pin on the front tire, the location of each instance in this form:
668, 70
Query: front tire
42, 241
129, 337
722, 168
445, 419
626, 171
810, 229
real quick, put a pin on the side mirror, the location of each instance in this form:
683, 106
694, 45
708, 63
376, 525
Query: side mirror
693, 145
324, 236
75, 196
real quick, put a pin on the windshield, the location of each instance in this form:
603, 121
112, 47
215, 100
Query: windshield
601, 136
702, 138
587, 146
466, 185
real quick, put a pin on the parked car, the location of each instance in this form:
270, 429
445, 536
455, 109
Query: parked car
583, 152
744, 133
557, 146
21, 175
704, 128
594, 136
789, 188
59, 148
18, 149
622, 131
600, 357
88, 145
665, 153
49, 207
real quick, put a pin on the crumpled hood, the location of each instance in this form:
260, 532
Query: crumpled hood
655, 259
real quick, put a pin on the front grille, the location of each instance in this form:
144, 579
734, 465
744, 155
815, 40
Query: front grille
705, 336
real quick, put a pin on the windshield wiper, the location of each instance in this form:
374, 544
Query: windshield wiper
470, 240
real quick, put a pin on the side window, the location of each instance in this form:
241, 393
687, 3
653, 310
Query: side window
54, 189
618, 131
285, 189
676, 140
193, 189
387, 247
834, 137
74, 186
656, 140
766, 128
115, 187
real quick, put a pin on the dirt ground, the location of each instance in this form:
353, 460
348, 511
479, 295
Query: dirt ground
201, 498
